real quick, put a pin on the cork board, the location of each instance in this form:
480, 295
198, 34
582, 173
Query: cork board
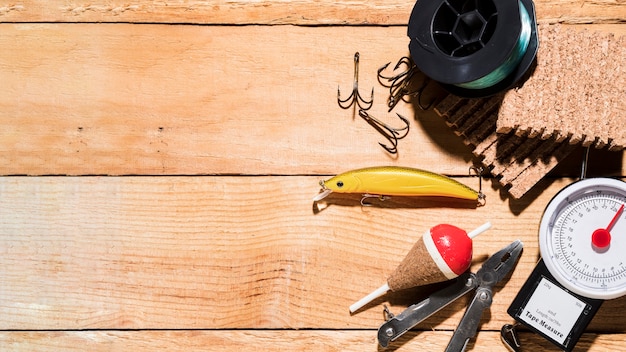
575, 93
517, 162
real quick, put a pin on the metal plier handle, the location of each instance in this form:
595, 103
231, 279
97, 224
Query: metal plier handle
492, 271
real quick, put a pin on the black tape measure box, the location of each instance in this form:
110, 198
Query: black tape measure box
538, 301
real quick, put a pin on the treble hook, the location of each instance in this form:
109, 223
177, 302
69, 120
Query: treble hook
399, 84
390, 133
482, 198
403, 92
403, 61
367, 196
355, 96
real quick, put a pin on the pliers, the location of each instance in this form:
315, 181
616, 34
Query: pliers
492, 271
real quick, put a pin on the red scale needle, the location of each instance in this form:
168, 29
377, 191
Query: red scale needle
601, 238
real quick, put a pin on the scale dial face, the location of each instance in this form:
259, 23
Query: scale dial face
582, 238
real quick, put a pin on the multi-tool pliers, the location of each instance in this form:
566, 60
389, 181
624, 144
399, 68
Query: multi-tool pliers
492, 271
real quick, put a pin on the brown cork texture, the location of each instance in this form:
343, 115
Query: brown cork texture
576, 92
574, 96
418, 268
517, 162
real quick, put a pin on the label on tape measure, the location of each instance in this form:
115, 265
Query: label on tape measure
549, 309
555, 317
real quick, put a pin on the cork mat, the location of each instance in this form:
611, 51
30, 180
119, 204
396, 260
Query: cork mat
576, 92
517, 162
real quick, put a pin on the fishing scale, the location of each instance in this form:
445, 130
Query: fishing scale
582, 240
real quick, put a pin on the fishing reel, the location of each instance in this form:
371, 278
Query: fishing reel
474, 48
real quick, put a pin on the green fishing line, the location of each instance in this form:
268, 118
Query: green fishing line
509, 64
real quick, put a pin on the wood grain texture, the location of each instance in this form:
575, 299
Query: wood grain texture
159, 100
298, 12
236, 256
122, 99
312, 340
231, 252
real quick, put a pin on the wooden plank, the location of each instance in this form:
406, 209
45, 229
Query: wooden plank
283, 340
275, 12
157, 99
231, 252
162, 100
228, 262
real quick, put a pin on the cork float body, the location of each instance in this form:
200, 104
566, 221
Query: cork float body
442, 253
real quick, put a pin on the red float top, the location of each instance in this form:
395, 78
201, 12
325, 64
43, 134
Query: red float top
454, 245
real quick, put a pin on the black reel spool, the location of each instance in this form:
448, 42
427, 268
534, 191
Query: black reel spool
458, 41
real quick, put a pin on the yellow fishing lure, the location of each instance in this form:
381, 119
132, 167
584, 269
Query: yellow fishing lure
396, 181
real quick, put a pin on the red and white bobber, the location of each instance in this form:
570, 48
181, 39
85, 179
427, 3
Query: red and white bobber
443, 253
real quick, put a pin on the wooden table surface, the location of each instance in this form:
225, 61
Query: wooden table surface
159, 161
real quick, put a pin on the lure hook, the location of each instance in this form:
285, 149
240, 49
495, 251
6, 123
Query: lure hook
482, 198
389, 133
355, 96
400, 84
367, 196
